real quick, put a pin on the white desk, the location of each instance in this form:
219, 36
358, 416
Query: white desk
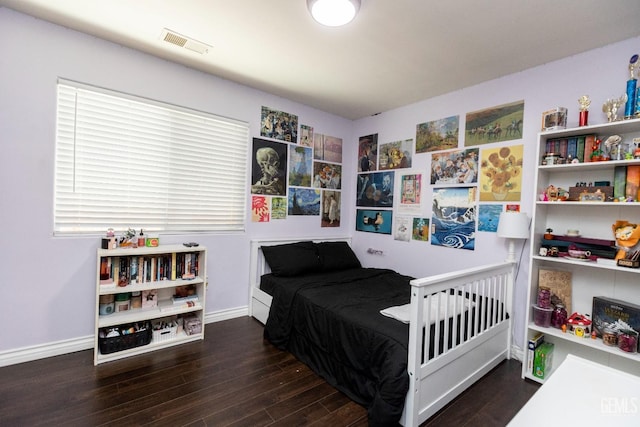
582, 393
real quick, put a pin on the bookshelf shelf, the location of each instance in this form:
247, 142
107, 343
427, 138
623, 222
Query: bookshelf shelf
152, 274
599, 277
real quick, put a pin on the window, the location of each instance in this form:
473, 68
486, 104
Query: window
126, 162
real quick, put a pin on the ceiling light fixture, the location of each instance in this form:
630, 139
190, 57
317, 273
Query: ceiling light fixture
333, 13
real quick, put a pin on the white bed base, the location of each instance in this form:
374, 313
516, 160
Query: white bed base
436, 382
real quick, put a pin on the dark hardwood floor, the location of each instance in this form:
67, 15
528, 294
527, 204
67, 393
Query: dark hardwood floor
232, 378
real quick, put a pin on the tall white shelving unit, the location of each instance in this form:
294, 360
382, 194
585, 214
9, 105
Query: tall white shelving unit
593, 220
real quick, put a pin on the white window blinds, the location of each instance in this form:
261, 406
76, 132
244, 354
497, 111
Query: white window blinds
124, 162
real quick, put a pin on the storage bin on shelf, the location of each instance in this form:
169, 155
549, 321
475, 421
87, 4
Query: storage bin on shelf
164, 329
129, 336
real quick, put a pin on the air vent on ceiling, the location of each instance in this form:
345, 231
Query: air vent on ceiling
185, 42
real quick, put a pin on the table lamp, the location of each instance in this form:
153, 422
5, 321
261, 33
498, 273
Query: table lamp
513, 225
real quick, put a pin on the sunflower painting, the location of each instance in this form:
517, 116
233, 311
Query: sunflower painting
501, 174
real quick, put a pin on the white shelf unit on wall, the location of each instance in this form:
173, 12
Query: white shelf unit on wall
593, 220
161, 277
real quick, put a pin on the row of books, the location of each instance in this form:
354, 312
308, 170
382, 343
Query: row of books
143, 269
574, 147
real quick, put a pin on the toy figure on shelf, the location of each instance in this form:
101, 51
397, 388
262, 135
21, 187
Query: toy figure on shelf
627, 237
614, 147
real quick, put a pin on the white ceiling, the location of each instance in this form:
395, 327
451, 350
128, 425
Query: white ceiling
394, 53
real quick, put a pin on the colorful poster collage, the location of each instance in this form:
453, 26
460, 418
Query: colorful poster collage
295, 176
470, 186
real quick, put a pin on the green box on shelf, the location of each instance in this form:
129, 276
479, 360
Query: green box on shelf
543, 360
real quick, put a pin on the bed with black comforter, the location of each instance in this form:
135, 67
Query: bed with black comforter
326, 311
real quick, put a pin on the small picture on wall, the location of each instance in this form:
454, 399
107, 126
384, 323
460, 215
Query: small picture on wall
259, 209
367, 153
306, 136
402, 228
303, 201
410, 188
330, 208
278, 208
268, 168
437, 135
495, 124
488, 216
374, 221
279, 125
420, 229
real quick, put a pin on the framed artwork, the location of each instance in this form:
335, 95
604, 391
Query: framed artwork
328, 148
278, 208
330, 208
410, 189
395, 155
327, 175
437, 135
420, 230
453, 219
300, 162
488, 216
268, 168
375, 189
495, 124
501, 174
374, 221
306, 136
402, 228
260, 209
367, 153
303, 201
455, 167
278, 125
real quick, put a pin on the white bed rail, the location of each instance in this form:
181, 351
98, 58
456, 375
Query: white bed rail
460, 347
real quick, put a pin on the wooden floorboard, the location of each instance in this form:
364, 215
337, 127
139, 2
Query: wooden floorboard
231, 378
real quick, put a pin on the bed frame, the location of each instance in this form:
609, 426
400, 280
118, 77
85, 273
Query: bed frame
437, 381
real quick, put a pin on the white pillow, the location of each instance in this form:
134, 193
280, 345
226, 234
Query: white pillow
403, 312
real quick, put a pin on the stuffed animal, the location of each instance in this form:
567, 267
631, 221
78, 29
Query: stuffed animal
627, 237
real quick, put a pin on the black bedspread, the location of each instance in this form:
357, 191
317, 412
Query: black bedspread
332, 323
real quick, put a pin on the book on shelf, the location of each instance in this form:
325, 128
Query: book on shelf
181, 300
106, 275
168, 305
580, 148
572, 147
589, 142
619, 182
531, 349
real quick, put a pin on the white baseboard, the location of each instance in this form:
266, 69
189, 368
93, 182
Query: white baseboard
42, 351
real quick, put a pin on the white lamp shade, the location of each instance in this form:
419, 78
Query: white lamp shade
513, 225
333, 13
